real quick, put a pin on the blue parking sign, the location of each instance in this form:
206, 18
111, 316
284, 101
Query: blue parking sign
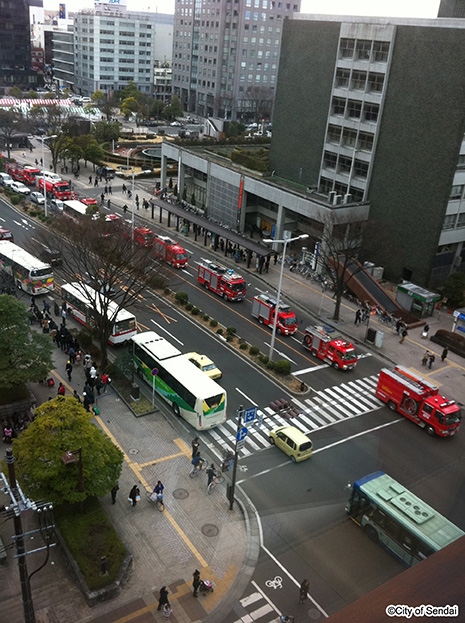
249, 415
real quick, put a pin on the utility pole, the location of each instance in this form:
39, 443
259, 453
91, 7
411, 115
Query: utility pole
236, 452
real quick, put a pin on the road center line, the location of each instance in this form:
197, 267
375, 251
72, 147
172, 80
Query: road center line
246, 397
305, 370
170, 334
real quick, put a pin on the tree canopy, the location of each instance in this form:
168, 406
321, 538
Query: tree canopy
63, 425
26, 355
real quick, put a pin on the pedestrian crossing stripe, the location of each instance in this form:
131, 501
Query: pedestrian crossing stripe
264, 613
325, 408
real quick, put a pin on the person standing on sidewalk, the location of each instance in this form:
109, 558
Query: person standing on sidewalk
61, 390
431, 360
358, 317
444, 354
133, 495
196, 582
114, 491
404, 335
424, 361
195, 446
69, 370
163, 598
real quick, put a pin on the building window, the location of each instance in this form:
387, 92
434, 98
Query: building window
359, 79
345, 164
375, 82
354, 109
360, 168
461, 220
449, 221
461, 162
338, 106
371, 112
363, 50
380, 51
346, 48
349, 138
456, 192
342, 78
330, 160
365, 141
334, 134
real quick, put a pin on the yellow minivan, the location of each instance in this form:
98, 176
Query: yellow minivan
292, 441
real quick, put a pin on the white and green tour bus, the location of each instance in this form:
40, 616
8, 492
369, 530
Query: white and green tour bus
28, 273
398, 520
190, 392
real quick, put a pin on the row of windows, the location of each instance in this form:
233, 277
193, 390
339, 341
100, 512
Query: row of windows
454, 221
350, 138
364, 50
263, 16
353, 109
342, 164
359, 80
327, 185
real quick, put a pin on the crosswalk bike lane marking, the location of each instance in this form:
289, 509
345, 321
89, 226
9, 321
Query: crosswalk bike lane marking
326, 408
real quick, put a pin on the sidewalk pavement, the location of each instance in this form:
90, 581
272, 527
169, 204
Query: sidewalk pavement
196, 531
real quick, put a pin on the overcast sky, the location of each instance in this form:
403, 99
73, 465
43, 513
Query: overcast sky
396, 8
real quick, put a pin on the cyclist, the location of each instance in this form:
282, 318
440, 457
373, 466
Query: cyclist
158, 491
211, 473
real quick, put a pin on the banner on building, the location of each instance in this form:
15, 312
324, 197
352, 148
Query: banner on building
62, 11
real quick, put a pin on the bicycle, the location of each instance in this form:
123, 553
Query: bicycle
202, 464
157, 499
217, 480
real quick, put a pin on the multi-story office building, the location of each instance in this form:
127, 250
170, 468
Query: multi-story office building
15, 46
114, 47
63, 57
378, 116
452, 8
162, 75
226, 55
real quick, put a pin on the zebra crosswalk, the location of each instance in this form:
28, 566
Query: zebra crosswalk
257, 608
324, 408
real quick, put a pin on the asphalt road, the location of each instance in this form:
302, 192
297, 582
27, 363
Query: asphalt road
304, 529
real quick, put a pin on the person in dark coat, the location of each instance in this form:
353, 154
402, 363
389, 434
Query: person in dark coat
114, 491
196, 582
133, 494
163, 598
303, 593
69, 370
444, 354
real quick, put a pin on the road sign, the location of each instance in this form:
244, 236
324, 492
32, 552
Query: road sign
242, 433
249, 415
240, 444
155, 372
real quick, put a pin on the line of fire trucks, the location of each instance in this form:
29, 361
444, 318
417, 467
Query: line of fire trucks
403, 390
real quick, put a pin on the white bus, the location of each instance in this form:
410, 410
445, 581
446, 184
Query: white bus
75, 210
191, 393
29, 273
84, 302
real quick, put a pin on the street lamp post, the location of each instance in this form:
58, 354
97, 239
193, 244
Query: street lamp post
45, 138
275, 323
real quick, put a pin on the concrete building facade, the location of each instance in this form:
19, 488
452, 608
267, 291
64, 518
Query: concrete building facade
63, 57
15, 46
379, 104
114, 47
226, 55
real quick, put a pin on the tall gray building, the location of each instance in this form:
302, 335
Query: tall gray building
63, 57
226, 55
379, 104
114, 47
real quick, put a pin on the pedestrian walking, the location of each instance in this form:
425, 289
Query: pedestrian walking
195, 446
163, 598
96, 182
134, 497
76, 395
431, 360
125, 208
114, 491
304, 591
211, 474
102, 198
424, 361
398, 326
124, 189
61, 390
358, 317
196, 582
108, 204
69, 370
106, 190
110, 192
105, 381
444, 354
90, 179
72, 354
364, 315
63, 316
425, 331
404, 335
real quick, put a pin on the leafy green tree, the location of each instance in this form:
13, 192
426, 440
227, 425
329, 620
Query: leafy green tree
98, 97
63, 425
16, 92
73, 152
105, 131
32, 95
174, 109
50, 95
454, 290
67, 92
57, 146
25, 355
129, 105
131, 91
109, 105
235, 129
156, 108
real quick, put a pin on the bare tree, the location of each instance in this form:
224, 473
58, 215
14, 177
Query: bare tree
104, 251
261, 101
12, 123
339, 249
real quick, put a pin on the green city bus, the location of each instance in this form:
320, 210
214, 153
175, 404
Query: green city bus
397, 519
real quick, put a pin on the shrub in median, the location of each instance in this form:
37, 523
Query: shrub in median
182, 298
195, 311
219, 331
271, 365
189, 306
244, 346
231, 330
283, 367
264, 359
205, 317
213, 323
254, 350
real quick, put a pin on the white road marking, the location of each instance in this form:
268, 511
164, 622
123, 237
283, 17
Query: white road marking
312, 369
252, 402
170, 334
2, 219
280, 353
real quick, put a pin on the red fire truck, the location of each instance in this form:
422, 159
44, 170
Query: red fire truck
23, 173
59, 190
144, 236
418, 399
222, 280
330, 347
263, 308
169, 251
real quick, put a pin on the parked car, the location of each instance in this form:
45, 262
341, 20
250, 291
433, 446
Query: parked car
50, 176
5, 234
5, 179
37, 198
205, 364
176, 124
19, 187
